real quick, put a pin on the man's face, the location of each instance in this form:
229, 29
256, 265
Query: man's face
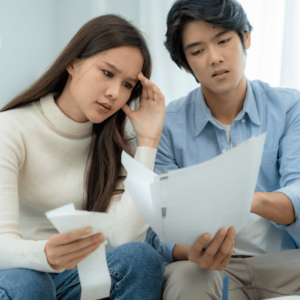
215, 55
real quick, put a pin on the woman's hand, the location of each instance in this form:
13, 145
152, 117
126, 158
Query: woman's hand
148, 120
66, 250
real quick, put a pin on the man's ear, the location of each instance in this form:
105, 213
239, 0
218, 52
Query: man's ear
248, 40
71, 67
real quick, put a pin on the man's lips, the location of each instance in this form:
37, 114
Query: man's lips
219, 72
105, 105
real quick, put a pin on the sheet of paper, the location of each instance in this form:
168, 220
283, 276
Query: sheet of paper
188, 202
93, 271
137, 183
214, 194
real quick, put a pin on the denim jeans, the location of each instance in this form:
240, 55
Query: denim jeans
136, 270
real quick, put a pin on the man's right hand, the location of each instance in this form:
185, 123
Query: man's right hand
215, 257
66, 250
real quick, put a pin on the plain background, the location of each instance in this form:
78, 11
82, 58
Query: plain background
34, 32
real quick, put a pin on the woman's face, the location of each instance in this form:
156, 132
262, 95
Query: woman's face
100, 85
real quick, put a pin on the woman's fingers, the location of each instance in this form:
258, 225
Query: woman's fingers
127, 110
149, 88
64, 247
73, 263
160, 98
77, 254
81, 244
69, 237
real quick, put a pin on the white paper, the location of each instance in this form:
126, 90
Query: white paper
185, 203
93, 270
138, 185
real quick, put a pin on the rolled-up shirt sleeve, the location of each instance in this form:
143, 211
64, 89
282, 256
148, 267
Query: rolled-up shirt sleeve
289, 167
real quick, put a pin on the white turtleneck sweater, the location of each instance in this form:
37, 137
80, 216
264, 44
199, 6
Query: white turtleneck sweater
43, 157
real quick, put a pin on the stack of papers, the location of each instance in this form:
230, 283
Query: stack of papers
183, 204
93, 270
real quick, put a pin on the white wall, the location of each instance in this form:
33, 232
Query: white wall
27, 44
34, 32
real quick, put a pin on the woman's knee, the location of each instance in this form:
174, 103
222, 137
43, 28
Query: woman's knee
138, 257
26, 284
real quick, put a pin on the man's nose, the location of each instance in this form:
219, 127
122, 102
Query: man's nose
215, 56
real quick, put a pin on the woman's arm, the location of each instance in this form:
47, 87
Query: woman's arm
15, 252
147, 122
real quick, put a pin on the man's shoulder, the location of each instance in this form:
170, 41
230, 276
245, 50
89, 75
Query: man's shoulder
182, 104
275, 95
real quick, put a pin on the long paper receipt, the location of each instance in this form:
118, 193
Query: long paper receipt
183, 204
92, 271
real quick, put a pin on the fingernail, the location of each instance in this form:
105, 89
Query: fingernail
206, 237
222, 233
88, 230
232, 230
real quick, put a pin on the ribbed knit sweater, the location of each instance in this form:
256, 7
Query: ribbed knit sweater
43, 157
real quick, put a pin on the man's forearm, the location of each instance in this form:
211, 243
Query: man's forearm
181, 252
275, 207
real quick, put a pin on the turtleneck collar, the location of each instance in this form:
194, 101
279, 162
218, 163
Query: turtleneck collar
53, 113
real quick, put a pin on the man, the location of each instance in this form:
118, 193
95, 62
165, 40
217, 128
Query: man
209, 39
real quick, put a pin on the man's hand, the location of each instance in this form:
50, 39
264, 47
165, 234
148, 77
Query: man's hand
215, 257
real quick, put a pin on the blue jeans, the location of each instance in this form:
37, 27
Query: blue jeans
136, 270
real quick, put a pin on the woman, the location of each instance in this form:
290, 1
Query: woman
61, 142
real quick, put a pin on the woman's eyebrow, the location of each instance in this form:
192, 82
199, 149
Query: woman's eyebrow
118, 71
190, 45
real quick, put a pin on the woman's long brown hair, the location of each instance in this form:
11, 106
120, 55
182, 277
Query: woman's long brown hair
109, 140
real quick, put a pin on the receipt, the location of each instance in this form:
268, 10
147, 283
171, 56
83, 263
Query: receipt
93, 270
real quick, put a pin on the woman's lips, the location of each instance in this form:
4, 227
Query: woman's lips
104, 107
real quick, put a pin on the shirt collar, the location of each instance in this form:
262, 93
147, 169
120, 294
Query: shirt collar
203, 113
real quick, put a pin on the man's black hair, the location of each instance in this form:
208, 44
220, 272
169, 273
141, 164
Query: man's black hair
228, 14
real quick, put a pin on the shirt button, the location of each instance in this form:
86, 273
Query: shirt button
224, 150
243, 120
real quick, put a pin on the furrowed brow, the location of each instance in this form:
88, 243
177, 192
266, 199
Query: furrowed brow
113, 67
118, 71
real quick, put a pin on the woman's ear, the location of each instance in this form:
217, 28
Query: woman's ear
71, 67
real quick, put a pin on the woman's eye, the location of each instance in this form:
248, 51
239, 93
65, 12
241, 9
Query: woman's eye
197, 52
224, 41
108, 74
127, 85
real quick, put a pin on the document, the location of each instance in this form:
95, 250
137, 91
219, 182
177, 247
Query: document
93, 270
183, 204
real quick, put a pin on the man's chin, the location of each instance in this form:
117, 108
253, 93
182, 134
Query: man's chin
220, 89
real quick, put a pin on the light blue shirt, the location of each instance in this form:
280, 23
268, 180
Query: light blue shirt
192, 136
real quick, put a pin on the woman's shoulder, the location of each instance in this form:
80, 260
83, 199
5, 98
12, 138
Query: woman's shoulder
15, 116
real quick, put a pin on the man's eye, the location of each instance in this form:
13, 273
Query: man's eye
224, 41
127, 85
197, 52
108, 74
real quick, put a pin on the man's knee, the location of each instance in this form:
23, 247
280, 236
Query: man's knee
186, 280
26, 284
